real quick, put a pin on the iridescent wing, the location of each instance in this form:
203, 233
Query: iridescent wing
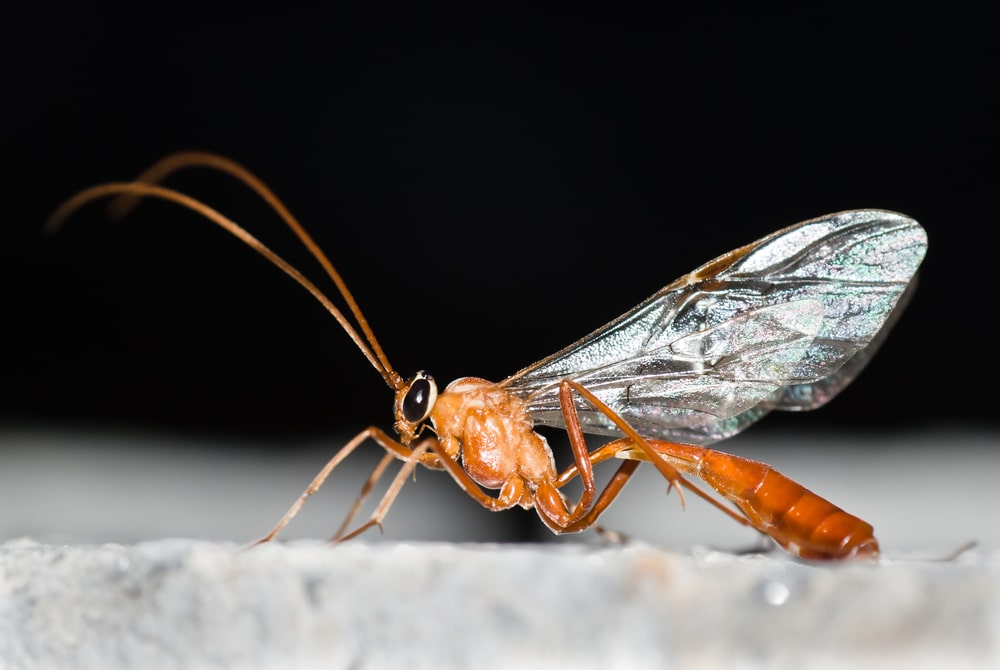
783, 323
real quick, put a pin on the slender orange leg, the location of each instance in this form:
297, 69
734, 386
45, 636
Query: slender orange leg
395, 487
551, 506
366, 490
507, 498
633, 441
608, 451
598, 455
581, 455
585, 514
373, 432
610, 492
612, 449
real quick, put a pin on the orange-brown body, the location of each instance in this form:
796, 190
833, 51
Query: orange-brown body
482, 434
494, 435
487, 429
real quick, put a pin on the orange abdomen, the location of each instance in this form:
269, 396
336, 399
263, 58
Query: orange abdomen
805, 524
799, 520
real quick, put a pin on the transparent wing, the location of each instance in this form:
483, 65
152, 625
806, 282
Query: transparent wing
783, 323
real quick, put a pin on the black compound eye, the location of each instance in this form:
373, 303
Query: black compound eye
420, 397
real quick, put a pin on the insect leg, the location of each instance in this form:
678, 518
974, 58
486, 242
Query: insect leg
511, 494
550, 504
598, 455
366, 490
581, 455
381, 438
636, 444
412, 459
610, 492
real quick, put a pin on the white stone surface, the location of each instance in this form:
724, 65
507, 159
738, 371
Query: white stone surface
192, 604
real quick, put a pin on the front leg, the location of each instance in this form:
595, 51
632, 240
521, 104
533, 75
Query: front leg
392, 447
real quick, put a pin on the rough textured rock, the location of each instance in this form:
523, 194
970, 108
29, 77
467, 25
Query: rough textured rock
193, 604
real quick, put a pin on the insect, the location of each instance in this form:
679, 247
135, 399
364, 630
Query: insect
783, 323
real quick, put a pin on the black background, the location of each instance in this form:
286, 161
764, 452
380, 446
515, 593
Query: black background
490, 188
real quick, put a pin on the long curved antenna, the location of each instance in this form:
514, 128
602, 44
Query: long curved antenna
123, 204
142, 190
